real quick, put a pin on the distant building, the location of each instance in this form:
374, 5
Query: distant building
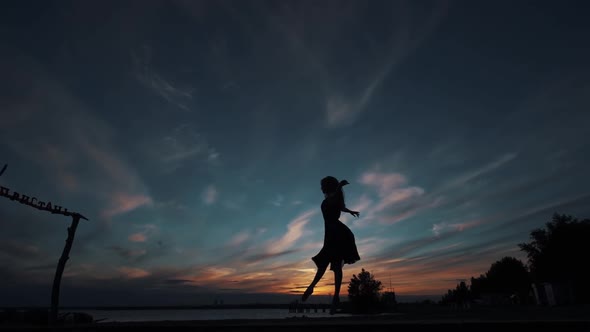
389, 301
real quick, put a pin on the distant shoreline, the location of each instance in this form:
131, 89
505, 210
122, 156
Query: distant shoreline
183, 307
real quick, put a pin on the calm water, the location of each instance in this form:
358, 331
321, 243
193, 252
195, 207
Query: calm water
197, 314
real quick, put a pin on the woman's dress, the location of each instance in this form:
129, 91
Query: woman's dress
339, 243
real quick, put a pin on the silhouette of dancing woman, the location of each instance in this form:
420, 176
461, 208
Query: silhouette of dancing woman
339, 244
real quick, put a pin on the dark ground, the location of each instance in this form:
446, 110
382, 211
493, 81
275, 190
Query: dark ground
412, 317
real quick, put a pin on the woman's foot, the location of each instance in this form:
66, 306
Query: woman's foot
307, 294
335, 304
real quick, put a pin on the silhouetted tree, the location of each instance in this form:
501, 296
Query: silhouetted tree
448, 298
556, 254
460, 296
364, 292
506, 277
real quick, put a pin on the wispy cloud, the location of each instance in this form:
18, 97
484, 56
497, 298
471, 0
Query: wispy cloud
392, 191
184, 144
263, 258
239, 238
113, 182
63, 166
383, 182
399, 201
143, 235
123, 202
207, 275
132, 272
340, 112
18, 249
527, 215
369, 246
127, 253
397, 196
171, 204
432, 264
234, 201
148, 76
295, 230
493, 165
273, 247
137, 237
278, 201
210, 195
449, 251
439, 228
407, 34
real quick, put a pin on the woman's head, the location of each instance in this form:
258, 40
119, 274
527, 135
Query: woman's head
329, 184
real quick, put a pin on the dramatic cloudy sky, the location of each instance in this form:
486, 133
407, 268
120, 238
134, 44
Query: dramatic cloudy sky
194, 134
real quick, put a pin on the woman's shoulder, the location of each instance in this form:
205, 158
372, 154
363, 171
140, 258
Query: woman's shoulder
329, 200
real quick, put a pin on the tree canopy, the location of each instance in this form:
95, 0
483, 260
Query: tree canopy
556, 253
507, 276
364, 292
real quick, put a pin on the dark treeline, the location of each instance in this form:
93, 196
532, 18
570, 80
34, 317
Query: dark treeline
555, 271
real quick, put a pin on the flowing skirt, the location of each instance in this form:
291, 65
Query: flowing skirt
339, 246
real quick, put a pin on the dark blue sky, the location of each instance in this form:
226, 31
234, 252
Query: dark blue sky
194, 134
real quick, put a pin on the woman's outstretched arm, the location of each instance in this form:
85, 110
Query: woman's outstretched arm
354, 213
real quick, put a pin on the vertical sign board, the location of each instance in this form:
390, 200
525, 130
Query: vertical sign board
55, 209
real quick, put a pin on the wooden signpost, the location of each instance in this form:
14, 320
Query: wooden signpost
55, 209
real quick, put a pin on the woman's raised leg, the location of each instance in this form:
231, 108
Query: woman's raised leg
318, 275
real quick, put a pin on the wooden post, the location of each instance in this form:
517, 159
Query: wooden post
65, 255
60, 269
